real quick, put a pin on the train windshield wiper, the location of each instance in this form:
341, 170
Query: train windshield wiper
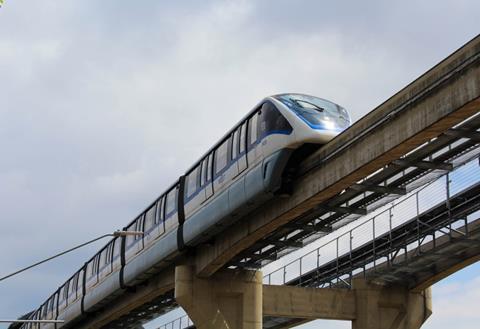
300, 103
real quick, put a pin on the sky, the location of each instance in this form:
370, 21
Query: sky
104, 103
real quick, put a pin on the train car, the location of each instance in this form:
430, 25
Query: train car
252, 163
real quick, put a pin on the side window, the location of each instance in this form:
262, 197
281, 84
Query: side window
103, 257
171, 201
235, 144
150, 218
252, 127
62, 292
52, 301
73, 284
221, 156
274, 121
203, 178
81, 274
139, 226
210, 166
135, 226
65, 290
160, 206
192, 182
97, 267
243, 134
116, 247
89, 269
110, 251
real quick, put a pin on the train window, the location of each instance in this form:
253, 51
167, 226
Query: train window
131, 238
62, 293
235, 145
110, 251
252, 126
81, 276
139, 226
160, 204
73, 284
97, 263
273, 121
65, 291
203, 176
221, 156
93, 267
199, 174
171, 201
150, 218
104, 257
117, 243
50, 306
89, 269
208, 168
243, 132
192, 182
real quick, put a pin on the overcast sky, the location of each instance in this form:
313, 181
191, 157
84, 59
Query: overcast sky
104, 103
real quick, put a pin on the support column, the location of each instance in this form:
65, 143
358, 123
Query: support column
227, 300
380, 307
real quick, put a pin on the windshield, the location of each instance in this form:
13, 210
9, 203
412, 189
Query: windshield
316, 112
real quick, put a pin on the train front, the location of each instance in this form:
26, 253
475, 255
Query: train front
317, 120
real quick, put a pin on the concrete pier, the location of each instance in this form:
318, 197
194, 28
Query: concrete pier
227, 300
380, 307
234, 299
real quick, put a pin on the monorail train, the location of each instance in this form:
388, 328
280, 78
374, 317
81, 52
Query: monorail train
249, 165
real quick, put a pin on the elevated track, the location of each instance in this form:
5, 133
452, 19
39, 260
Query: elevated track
425, 130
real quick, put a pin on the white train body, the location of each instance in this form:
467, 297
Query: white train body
248, 166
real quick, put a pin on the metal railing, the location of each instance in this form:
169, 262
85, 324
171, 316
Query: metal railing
180, 323
383, 225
